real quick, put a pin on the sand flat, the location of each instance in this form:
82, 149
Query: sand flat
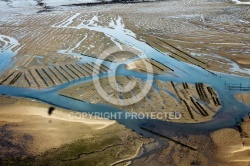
233, 147
32, 118
243, 97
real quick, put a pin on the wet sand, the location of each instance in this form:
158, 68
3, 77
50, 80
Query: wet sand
163, 97
26, 117
233, 145
243, 97
27, 130
149, 66
214, 35
212, 32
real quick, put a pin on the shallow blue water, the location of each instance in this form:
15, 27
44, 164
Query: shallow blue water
231, 113
6, 53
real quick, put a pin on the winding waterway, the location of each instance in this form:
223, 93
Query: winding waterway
230, 114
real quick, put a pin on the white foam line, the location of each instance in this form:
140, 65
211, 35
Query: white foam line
239, 2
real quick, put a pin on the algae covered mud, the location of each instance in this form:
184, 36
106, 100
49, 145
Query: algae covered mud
192, 61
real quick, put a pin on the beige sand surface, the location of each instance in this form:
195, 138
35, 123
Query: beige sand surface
233, 146
243, 97
186, 50
210, 32
176, 154
14, 113
31, 131
244, 62
32, 118
163, 99
148, 65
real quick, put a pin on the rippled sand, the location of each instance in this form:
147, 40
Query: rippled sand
215, 32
